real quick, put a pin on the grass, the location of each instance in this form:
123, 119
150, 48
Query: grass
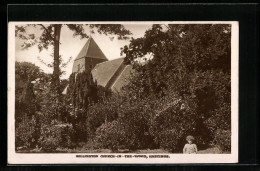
86, 148
212, 150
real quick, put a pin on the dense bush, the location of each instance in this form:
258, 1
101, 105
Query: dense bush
39, 114
193, 62
135, 116
25, 72
126, 133
222, 139
111, 135
161, 121
172, 122
26, 120
79, 125
54, 136
219, 125
82, 90
51, 137
130, 129
26, 132
149, 123
88, 106
101, 112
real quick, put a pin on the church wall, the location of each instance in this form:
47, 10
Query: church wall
90, 63
79, 65
85, 64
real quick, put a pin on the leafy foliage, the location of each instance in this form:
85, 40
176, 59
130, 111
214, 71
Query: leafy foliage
181, 87
36, 113
192, 61
104, 111
81, 90
26, 132
171, 122
223, 139
112, 29
83, 98
135, 116
130, 130
24, 73
111, 135
54, 136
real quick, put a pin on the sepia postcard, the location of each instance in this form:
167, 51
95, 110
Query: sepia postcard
123, 92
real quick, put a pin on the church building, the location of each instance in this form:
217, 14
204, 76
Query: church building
112, 74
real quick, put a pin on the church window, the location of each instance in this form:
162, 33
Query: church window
78, 67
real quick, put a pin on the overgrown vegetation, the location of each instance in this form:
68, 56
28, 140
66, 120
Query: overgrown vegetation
184, 88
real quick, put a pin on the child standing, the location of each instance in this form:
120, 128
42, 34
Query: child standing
190, 147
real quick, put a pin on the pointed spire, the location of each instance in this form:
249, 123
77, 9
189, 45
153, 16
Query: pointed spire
91, 50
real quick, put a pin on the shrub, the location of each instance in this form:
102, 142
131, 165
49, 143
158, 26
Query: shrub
50, 137
135, 116
150, 123
67, 132
111, 135
223, 139
219, 125
88, 106
130, 130
220, 119
82, 90
26, 121
172, 123
80, 127
54, 136
26, 132
99, 113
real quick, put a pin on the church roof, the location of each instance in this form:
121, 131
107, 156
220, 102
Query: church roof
103, 72
123, 79
91, 49
112, 74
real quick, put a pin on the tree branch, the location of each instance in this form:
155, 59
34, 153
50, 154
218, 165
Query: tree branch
167, 26
47, 31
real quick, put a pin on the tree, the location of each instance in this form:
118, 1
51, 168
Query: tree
192, 61
50, 37
178, 53
24, 72
26, 103
25, 75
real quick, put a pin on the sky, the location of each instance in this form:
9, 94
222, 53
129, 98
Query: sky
70, 47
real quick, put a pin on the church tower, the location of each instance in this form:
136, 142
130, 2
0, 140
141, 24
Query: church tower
88, 57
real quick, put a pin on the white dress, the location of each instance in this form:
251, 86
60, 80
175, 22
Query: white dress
190, 149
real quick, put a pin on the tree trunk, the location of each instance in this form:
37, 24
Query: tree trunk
56, 68
56, 64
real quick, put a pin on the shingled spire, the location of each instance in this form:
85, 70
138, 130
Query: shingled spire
88, 57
